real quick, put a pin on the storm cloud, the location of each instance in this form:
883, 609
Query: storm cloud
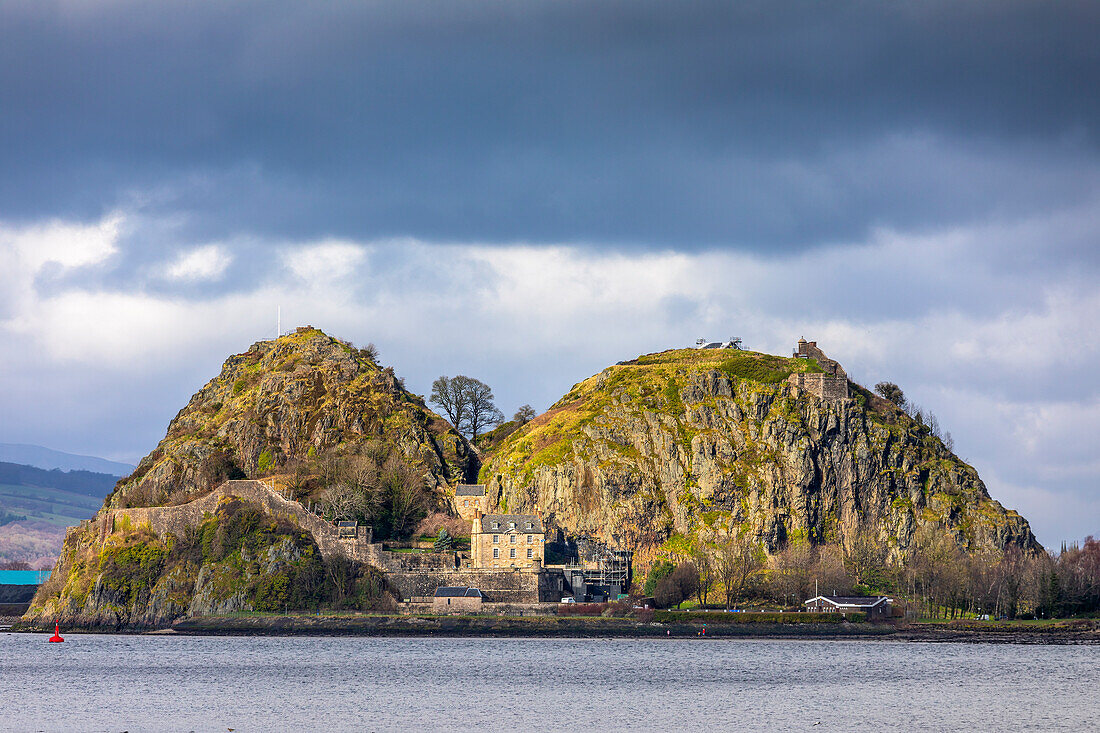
761, 126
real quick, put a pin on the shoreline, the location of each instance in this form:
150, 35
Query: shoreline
549, 627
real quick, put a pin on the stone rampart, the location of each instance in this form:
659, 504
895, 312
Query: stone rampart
498, 586
825, 386
175, 520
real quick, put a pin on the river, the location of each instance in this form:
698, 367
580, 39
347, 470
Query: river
177, 683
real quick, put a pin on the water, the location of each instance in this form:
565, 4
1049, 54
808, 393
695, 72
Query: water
139, 683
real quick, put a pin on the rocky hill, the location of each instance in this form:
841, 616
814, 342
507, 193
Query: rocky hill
708, 441
298, 408
298, 397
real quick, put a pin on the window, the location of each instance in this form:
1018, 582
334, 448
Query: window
530, 553
496, 525
511, 525
529, 525
496, 539
466, 503
530, 539
512, 552
512, 539
477, 502
496, 552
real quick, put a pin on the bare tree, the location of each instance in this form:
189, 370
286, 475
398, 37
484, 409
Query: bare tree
866, 560
524, 415
704, 565
450, 394
467, 402
343, 501
483, 412
738, 562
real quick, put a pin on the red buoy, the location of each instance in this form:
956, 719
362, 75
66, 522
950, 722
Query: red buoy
56, 633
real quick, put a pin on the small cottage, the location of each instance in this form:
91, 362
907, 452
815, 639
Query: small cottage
457, 599
877, 608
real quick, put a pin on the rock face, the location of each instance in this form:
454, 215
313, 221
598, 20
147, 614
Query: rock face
298, 396
694, 442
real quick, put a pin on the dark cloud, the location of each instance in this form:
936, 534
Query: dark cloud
758, 125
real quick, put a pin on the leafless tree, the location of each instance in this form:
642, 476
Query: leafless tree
343, 501
524, 415
467, 402
738, 561
704, 565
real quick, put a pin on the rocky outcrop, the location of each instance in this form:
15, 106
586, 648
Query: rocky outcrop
678, 444
296, 397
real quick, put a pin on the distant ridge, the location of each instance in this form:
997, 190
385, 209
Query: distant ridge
49, 459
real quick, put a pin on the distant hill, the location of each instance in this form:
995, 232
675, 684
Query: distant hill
36, 506
47, 458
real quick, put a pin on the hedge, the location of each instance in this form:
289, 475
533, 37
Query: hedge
690, 617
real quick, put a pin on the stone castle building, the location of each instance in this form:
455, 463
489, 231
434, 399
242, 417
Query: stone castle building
829, 384
469, 500
507, 541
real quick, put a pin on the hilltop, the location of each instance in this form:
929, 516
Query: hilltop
658, 451
300, 397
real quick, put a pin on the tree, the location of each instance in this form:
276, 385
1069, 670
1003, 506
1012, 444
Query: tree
343, 501
483, 412
468, 403
704, 564
737, 563
444, 542
524, 415
892, 392
866, 561
673, 589
450, 394
658, 571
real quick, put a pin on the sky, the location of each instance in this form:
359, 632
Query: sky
526, 192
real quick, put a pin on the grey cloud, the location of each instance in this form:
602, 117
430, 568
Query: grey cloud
686, 125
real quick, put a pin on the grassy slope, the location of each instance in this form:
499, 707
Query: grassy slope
654, 379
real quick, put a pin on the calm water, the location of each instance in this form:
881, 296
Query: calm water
213, 684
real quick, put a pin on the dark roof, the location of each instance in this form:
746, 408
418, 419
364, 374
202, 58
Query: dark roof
459, 591
857, 601
470, 490
504, 520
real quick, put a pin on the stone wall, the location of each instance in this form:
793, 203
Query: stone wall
825, 386
498, 586
175, 520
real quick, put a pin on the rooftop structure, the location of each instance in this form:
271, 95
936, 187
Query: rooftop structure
733, 343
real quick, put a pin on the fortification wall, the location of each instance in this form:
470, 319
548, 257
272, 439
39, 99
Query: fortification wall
175, 520
498, 586
825, 386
